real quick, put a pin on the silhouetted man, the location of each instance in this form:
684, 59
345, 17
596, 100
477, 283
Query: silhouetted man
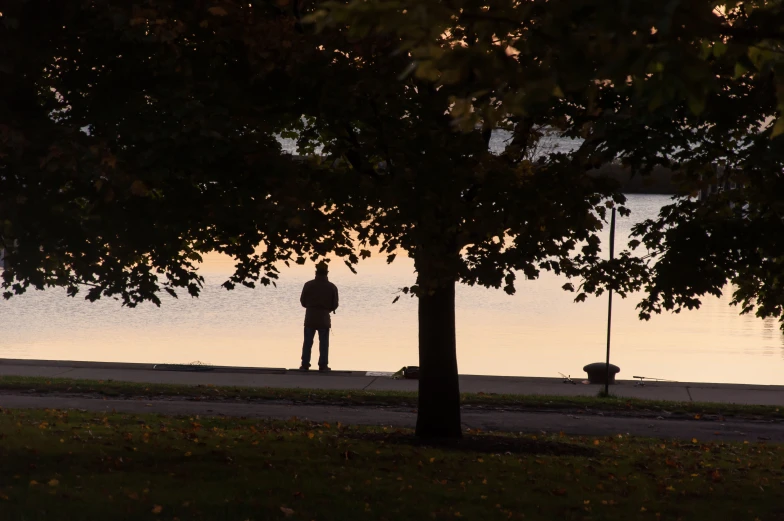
319, 298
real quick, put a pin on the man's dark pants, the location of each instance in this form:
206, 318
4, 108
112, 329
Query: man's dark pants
307, 346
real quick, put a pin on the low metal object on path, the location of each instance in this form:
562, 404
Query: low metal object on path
641, 383
568, 379
193, 366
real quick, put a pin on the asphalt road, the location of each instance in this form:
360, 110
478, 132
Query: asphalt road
486, 420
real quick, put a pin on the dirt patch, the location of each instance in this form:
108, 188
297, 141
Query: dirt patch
488, 444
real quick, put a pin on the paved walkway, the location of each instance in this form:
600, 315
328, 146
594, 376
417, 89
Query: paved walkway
350, 380
504, 421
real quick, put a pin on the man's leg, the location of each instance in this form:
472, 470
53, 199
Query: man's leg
307, 346
323, 347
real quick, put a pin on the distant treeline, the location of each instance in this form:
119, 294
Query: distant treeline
659, 181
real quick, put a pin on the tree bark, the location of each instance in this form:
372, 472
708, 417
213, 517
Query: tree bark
439, 391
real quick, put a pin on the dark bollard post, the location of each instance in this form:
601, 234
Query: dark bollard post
609, 305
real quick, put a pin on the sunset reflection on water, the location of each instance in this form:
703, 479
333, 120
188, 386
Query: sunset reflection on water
537, 332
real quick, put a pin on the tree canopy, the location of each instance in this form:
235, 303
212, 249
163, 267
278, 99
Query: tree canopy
135, 138
440, 196
696, 86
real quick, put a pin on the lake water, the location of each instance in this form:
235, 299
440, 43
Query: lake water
538, 332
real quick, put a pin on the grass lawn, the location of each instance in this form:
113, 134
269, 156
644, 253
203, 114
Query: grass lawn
354, 397
83, 466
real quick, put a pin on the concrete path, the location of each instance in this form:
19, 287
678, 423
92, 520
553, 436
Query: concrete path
351, 380
503, 421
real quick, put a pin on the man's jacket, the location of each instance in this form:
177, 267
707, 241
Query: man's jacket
319, 298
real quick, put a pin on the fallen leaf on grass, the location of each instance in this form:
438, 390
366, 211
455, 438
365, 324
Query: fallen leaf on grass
287, 511
33, 483
53, 482
157, 509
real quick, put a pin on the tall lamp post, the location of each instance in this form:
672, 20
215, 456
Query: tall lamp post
609, 307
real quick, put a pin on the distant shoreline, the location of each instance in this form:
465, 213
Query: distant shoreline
659, 181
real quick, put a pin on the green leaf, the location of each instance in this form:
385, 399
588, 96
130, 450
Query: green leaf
719, 48
139, 188
656, 101
705, 48
778, 128
427, 71
217, 11
697, 105
740, 70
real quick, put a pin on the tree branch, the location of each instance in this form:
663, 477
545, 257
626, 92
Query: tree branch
354, 156
381, 136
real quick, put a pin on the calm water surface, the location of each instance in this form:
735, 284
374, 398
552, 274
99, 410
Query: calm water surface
538, 332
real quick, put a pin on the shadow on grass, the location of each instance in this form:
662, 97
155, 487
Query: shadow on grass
484, 443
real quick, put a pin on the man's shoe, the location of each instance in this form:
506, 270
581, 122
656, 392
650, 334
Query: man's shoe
324, 369
304, 368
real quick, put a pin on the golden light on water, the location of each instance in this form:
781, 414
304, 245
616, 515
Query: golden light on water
537, 332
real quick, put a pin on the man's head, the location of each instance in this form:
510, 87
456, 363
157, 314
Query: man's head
322, 268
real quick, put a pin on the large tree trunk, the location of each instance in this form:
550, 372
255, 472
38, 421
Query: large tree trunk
439, 390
